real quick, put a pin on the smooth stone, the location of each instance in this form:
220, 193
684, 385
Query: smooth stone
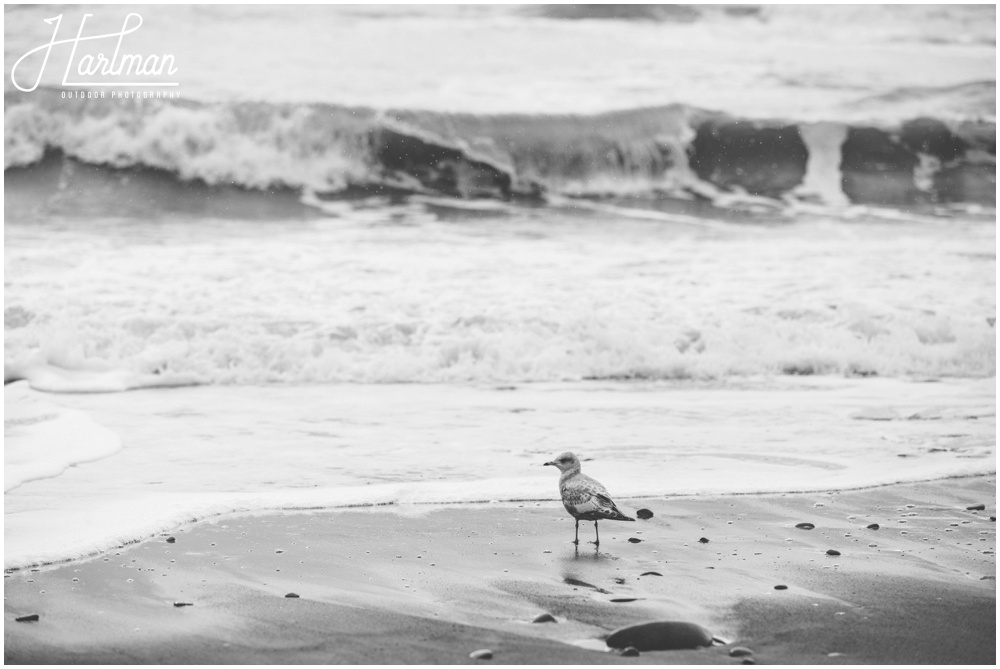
171, 540
30, 618
874, 526
805, 526
976, 507
645, 514
781, 587
183, 604
482, 654
740, 651
703, 540
292, 595
630, 651
623, 600
832, 552
633, 540
650, 573
664, 635
544, 618
749, 660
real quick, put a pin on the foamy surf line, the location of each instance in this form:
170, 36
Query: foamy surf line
201, 452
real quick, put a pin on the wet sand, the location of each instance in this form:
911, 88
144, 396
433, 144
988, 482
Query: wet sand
431, 584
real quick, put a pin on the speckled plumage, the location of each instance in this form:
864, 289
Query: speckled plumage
583, 497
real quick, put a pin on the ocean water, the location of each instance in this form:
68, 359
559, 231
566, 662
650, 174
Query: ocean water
711, 251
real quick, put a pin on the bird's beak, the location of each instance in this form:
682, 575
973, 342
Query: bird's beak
546, 464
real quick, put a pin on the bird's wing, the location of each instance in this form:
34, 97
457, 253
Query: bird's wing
583, 496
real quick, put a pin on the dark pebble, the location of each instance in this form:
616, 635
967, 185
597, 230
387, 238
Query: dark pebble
183, 604
171, 540
630, 651
544, 618
645, 514
993, 519
623, 600
976, 507
292, 595
483, 654
32, 618
832, 552
805, 526
634, 540
650, 573
740, 651
665, 635
873, 526
781, 587
703, 540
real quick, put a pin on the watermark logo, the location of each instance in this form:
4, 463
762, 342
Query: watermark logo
120, 64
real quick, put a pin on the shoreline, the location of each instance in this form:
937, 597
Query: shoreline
421, 507
402, 584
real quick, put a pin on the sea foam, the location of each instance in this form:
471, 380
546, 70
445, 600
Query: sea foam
42, 440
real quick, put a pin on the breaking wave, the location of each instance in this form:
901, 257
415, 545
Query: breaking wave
675, 151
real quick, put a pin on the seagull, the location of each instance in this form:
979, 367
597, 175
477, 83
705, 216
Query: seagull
583, 497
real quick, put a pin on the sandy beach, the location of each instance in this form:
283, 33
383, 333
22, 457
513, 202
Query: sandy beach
433, 583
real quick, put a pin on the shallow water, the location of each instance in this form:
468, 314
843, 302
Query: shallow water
195, 452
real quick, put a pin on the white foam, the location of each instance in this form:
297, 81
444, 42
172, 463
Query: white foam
43, 439
386, 295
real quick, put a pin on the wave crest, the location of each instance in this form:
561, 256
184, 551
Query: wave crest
673, 151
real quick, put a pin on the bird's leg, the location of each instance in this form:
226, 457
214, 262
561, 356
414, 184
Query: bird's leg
598, 532
576, 540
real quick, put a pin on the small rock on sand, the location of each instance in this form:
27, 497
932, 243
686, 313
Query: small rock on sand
544, 618
645, 514
630, 651
292, 595
634, 540
171, 540
874, 526
781, 587
740, 651
805, 526
31, 618
178, 604
482, 654
976, 507
650, 573
664, 635
832, 552
703, 540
